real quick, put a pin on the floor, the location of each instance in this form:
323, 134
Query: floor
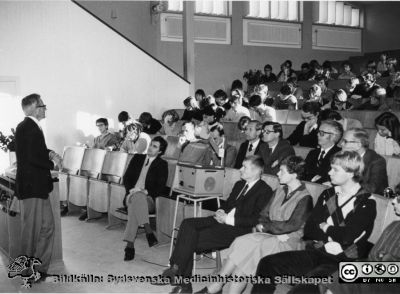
89, 248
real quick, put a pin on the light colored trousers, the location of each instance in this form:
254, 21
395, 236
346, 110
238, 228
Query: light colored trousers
138, 214
37, 230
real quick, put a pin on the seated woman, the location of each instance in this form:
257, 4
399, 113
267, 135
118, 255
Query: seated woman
337, 229
280, 227
136, 141
219, 146
170, 123
314, 94
388, 136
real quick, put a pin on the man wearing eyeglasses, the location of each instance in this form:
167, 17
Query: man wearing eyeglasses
34, 183
106, 138
375, 178
318, 161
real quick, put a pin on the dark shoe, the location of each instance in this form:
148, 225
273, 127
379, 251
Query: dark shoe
151, 239
129, 253
183, 288
83, 216
167, 276
64, 211
205, 291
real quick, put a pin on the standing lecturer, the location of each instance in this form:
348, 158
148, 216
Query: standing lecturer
34, 183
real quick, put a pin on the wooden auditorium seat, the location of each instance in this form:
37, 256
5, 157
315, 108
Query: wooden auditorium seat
72, 161
172, 141
112, 171
91, 168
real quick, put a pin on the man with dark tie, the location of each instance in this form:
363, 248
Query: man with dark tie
277, 149
318, 161
236, 217
144, 180
34, 183
253, 143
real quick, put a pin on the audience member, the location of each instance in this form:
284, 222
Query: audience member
279, 228
391, 67
306, 132
339, 101
347, 123
318, 161
297, 91
144, 180
189, 148
221, 98
269, 76
388, 136
305, 73
377, 101
199, 95
237, 85
365, 89
337, 230
192, 110
210, 119
382, 63
171, 125
243, 123
150, 125
106, 138
374, 177
316, 72
136, 141
326, 93
220, 153
286, 72
386, 249
124, 119
371, 69
314, 94
285, 99
351, 86
252, 145
329, 72
392, 84
236, 111
262, 91
236, 217
259, 111
277, 148
346, 73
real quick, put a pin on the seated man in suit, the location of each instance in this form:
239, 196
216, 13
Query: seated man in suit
253, 143
144, 180
306, 132
189, 148
276, 150
375, 178
318, 161
106, 138
236, 217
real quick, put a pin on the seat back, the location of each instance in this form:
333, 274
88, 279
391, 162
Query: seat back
72, 159
92, 163
114, 166
302, 151
282, 115
315, 190
231, 177
382, 206
337, 84
171, 148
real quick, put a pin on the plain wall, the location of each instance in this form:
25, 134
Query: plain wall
216, 66
80, 66
382, 26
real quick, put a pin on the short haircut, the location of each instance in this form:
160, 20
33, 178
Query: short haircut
327, 64
351, 162
145, 118
135, 126
102, 120
305, 65
220, 94
337, 127
200, 92
163, 144
295, 165
257, 124
255, 101
243, 122
218, 127
237, 84
285, 90
316, 90
172, 112
268, 66
257, 161
311, 107
187, 101
369, 77
29, 100
362, 135
288, 63
340, 95
322, 78
209, 111
123, 116
347, 63
277, 127
329, 114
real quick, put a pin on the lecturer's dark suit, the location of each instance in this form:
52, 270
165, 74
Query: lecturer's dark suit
205, 233
273, 160
313, 168
141, 204
375, 178
33, 185
243, 150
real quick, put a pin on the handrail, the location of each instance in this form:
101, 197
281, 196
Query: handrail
130, 41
